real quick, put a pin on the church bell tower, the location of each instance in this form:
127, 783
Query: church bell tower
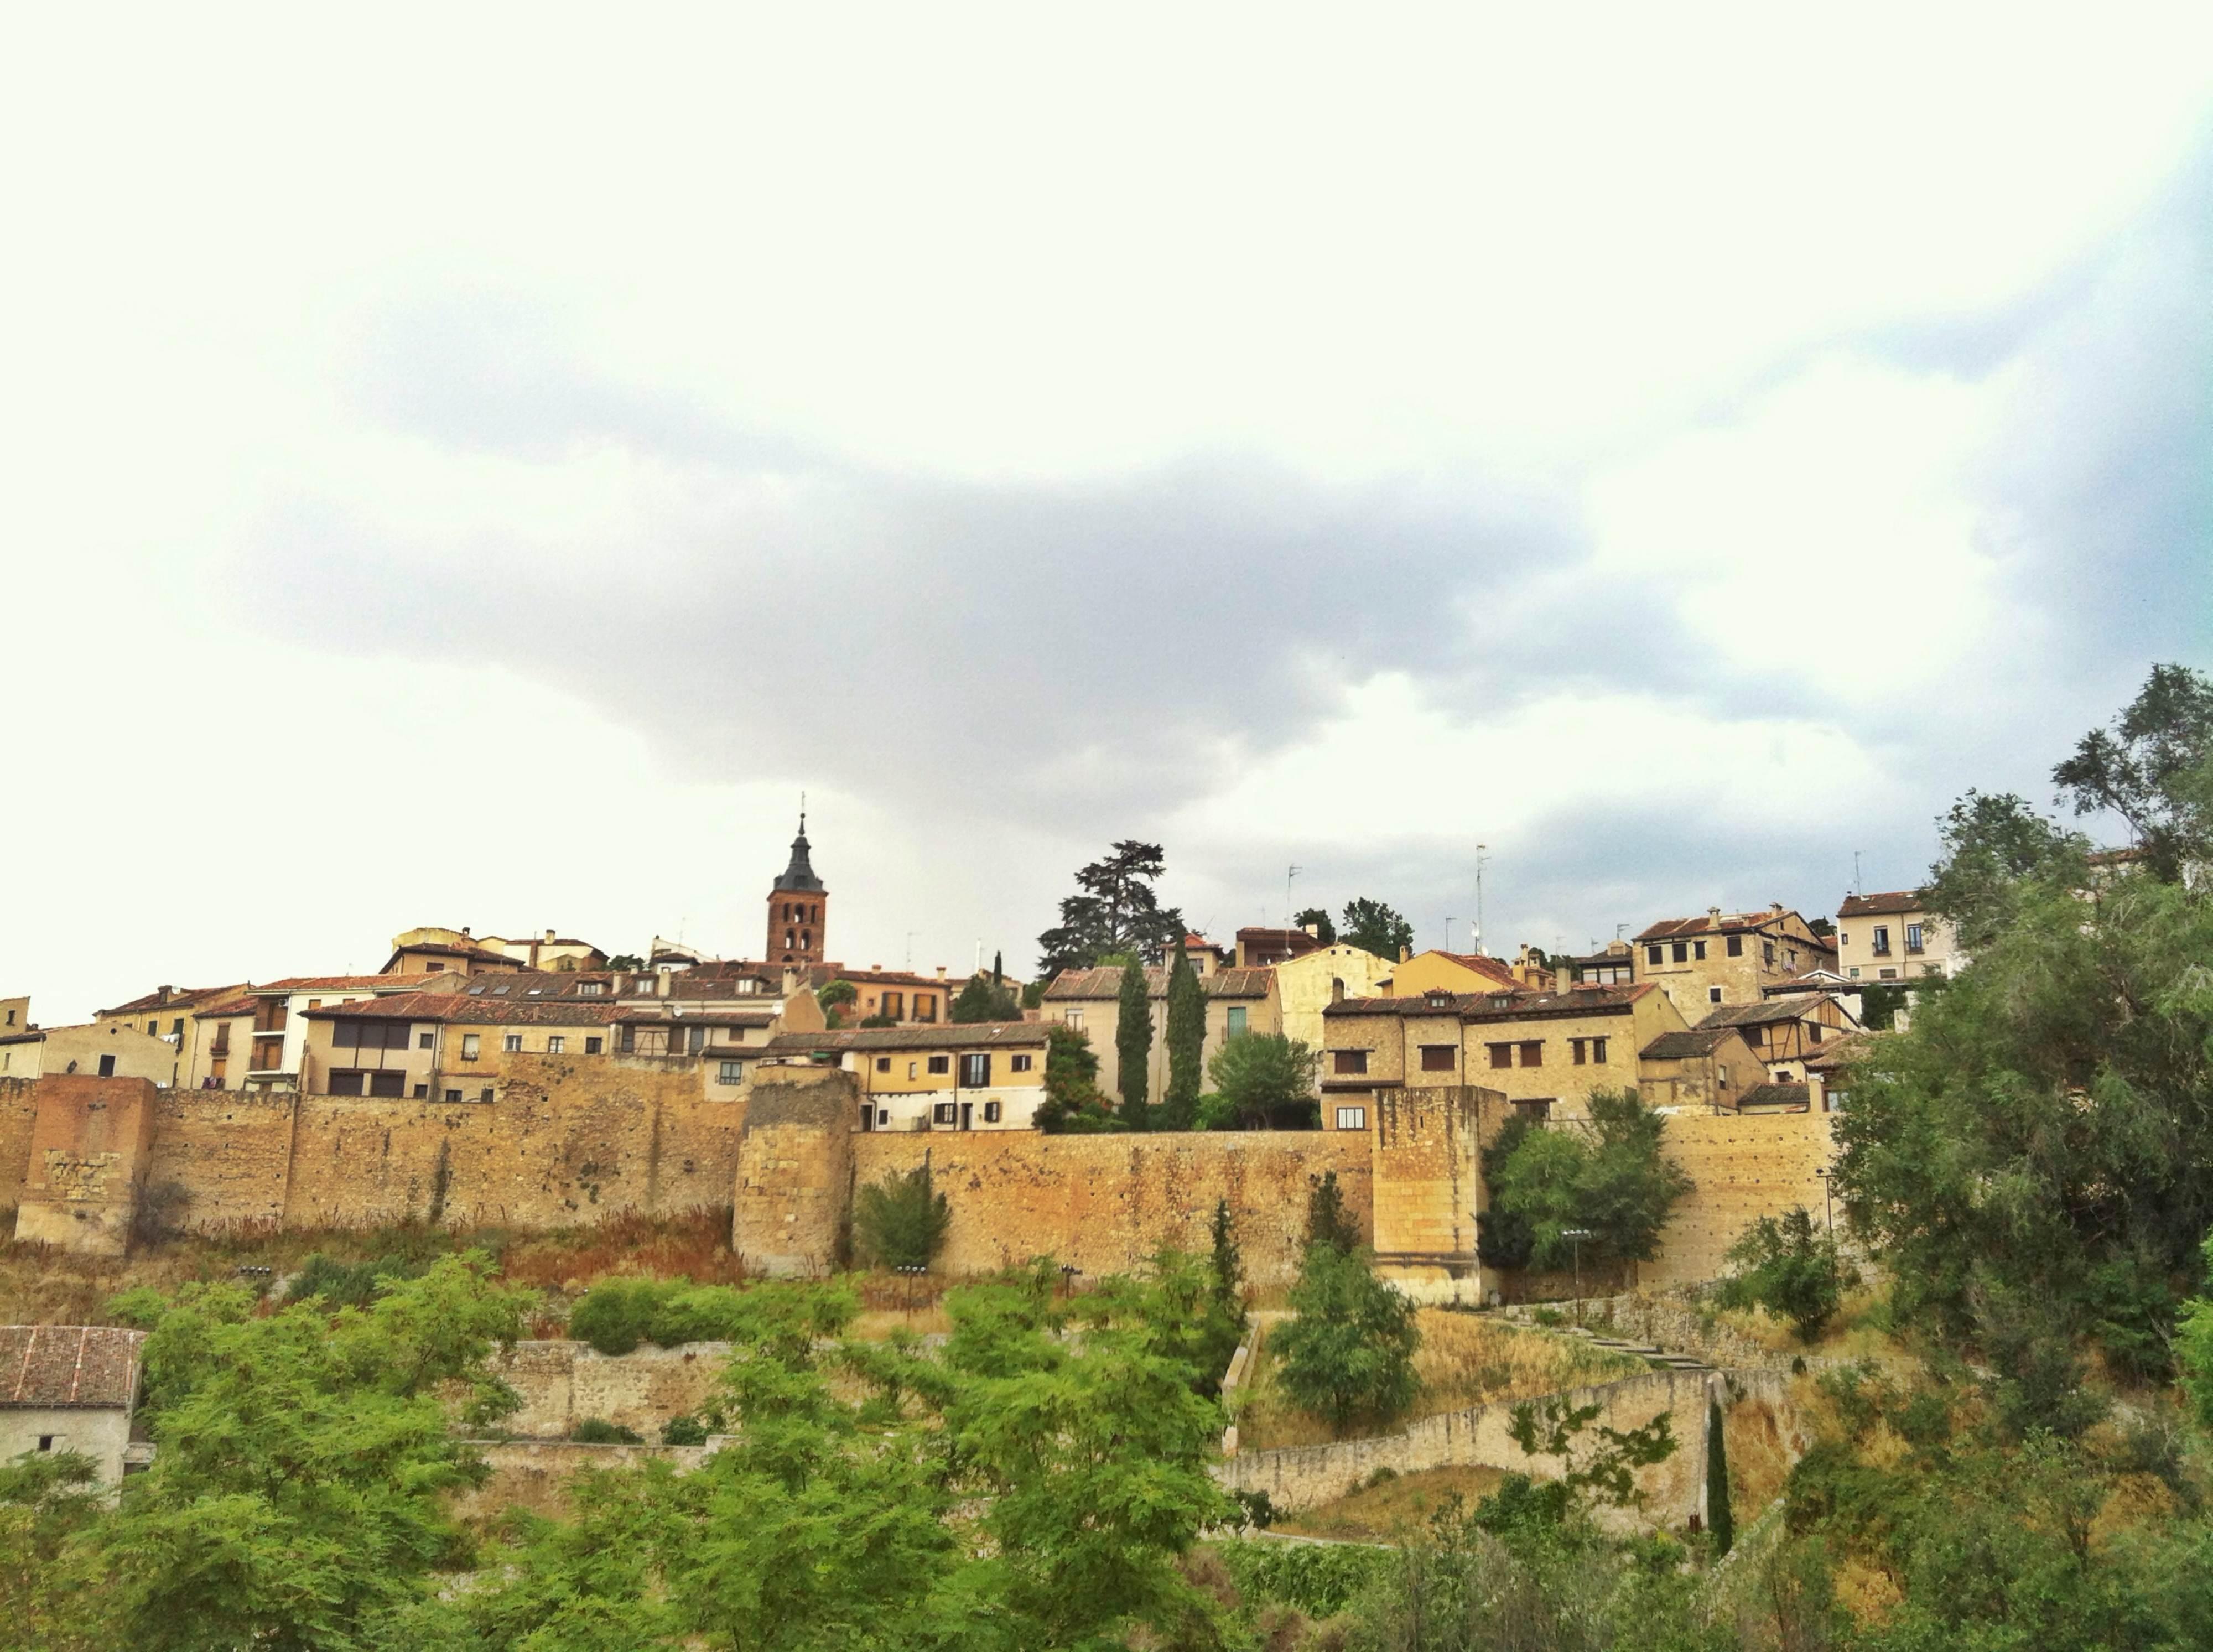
798, 908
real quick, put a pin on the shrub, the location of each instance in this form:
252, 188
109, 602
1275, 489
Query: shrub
598, 1431
617, 1315
901, 1221
1789, 1269
348, 1285
684, 1430
1348, 1355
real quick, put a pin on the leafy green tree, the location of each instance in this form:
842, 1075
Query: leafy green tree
1612, 1181
1263, 1080
1606, 1468
49, 1585
1186, 1039
1133, 1046
1721, 1517
626, 960
983, 999
2153, 766
1998, 851
1072, 1099
1348, 1354
837, 997
1318, 919
1373, 927
901, 1221
1227, 1261
1115, 909
1791, 1269
1326, 1221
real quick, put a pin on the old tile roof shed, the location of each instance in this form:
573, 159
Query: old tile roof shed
175, 997
1787, 1098
460, 1008
441, 981
1685, 1047
1246, 983
1504, 1006
1898, 901
84, 1366
1795, 1008
965, 1035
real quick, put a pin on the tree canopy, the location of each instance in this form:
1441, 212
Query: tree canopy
1373, 927
1262, 1080
1115, 909
983, 999
1610, 1180
1317, 918
1187, 1041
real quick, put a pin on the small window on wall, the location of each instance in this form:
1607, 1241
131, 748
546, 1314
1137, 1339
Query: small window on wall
1236, 1021
1502, 1055
1579, 1049
453, 1096
941, 1063
732, 1072
1597, 1050
345, 1084
555, 1044
390, 1085
1652, 954
512, 1043
1537, 1112
1713, 994
883, 1116
471, 1044
107, 1066
1072, 1018
484, 1094
594, 1045
425, 1040
1679, 953
1350, 1061
945, 1112
1698, 950
991, 1113
422, 1092
1439, 1058
975, 1071
1021, 1064
1736, 945
1352, 1118
883, 1063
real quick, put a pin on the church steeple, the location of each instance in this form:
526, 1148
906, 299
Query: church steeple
798, 902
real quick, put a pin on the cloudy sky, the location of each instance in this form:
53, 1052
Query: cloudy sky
479, 470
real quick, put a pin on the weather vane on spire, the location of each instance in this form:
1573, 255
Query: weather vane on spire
802, 814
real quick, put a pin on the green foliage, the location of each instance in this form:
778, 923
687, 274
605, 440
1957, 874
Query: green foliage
598, 1431
1348, 1354
879, 1021
1995, 848
47, 1504
685, 1429
1603, 1469
1265, 1080
1186, 1039
983, 999
1319, 1579
1115, 910
1326, 1221
901, 1221
626, 960
1721, 1517
1133, 1046
349, 1284
1072, 1101
836, 995
2153, 766
1227, 1261
1610, 1180
1791, 1269
1034, 993
1324, 930
617, 1315
1373, 927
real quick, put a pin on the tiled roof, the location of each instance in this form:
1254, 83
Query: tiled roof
1850, 1047
1899, 900
541, 983
445, 949
240, 1006
180, 998
1092, 984
1797, 1096
639, 1015
822, 975
1676, 929
1497, 968
1685, 1047
966, 1035
1502, 1006
1814, 980
448, 981
1791, 1009
459, 1010
93, 1366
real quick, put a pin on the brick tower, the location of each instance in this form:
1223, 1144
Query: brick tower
798, 908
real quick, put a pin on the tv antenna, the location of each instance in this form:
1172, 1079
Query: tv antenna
1289, 923
1482, 854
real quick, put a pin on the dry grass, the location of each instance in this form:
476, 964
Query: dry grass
694, 1245
1465, 1359
1394, 1509
1854, 1334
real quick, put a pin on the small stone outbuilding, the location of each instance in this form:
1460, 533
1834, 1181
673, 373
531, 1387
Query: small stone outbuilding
69, 1388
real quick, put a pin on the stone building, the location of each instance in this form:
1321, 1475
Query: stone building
1895, 937
1784, 1030
1238, 1001
979, 1076
1727, 957
1437, 971
71, 1388
798, 909
1699, 1067
103, 1049
1310, 983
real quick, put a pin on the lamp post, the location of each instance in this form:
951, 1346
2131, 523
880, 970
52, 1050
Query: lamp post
911, 1274
1575, 1236
1068, 1273
1828, 1209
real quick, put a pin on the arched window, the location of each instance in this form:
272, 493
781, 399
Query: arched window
786, 938
805, 938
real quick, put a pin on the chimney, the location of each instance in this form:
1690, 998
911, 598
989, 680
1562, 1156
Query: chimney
940, 972
1713, 914
790, 979
660, 983
1313, 930
1405, 953
1337, 989
1775, 907
465, 929
549, 937
163, 995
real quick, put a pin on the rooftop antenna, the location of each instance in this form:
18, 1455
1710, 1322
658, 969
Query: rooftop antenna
1289, 923
1482, 854
1449, 924
802, 814
1859, 884
910, 949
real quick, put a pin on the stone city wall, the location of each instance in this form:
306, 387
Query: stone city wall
565, 1383
1305, 1477
1743, 1165
18, 1112
1104, 1203
535, 1474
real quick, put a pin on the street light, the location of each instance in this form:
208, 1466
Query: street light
911, 1275
1575, 1236
1068, 1271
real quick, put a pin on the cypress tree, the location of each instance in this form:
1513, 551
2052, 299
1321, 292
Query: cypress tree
1186, 1039
1720, 1518
1133, 1046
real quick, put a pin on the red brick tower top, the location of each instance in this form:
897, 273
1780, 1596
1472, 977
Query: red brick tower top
798, 908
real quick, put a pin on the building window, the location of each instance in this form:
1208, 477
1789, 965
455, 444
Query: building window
1502, 1055
883, 1116
594, 1045
107, 1066
1237, 1014
1855, 971
453, 1096
1679, 952
1767, 954
555, 1044
1881, 974
1736, 945
941, 1063
1350, 1061
883, 1063
975, 1071
1698, 950
471, 1042
1021, 1063
1816, 1030
911, 1067
344, 1083
422, 1092
511, 1043
945, 1112
1352, 1118
1576, 1047
895, 1005
1913, 936
1597, 1050
1533, 1052
591, 988
1652, 954
1721, 1075
46, 1442
1537, 1111
1713, 994
1882, 940
1439, 1058
925, 1006
991, 1113
731, 1072
484, 1094
1072, 1018
425, 1040
391, 1086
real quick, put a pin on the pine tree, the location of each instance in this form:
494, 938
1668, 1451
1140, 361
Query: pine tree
1133, 1046
1228, 1261
1721, 1520
1186, 1008
1326, 1222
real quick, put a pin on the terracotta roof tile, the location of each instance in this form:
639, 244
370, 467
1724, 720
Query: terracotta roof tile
965, 1035
459, 1010
68, 1365
450, 981
1252, 982
183, 1000
1898, 901
1685, 1047
1788, 1097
